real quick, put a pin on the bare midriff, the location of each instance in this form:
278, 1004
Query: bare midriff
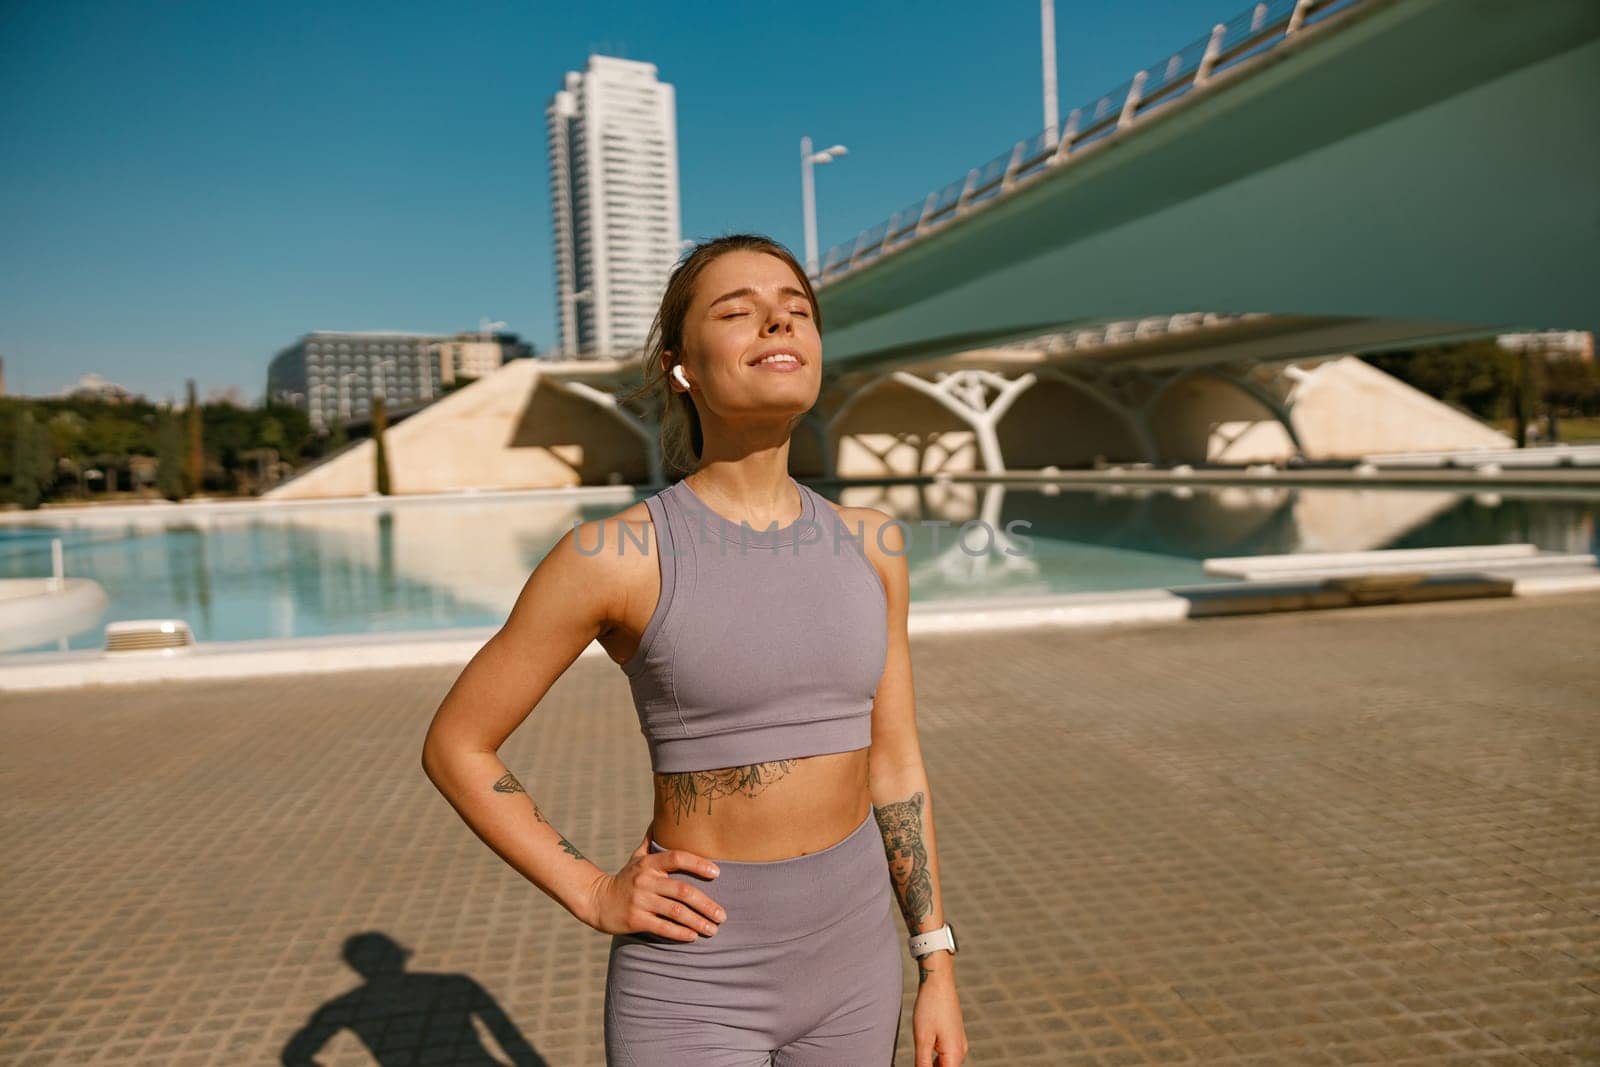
756, 812
762, 811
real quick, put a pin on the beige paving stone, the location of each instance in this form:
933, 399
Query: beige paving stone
1366, 836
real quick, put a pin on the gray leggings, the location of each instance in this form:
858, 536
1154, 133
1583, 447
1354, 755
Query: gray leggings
804, 970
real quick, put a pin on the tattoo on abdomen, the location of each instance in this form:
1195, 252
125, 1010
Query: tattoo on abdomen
508, 783
682, 790
900, 823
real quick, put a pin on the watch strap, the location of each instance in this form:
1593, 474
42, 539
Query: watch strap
932, 941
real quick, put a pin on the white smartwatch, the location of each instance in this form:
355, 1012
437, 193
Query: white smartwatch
933, 941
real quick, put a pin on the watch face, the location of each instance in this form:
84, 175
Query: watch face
952, 939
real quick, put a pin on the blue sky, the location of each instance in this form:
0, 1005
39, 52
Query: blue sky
187, 187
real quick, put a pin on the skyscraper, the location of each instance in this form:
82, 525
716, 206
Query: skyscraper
613, 144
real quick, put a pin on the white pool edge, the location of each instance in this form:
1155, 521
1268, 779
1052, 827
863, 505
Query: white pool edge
455, 647
214, 660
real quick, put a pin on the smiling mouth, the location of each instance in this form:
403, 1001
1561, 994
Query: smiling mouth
794, 358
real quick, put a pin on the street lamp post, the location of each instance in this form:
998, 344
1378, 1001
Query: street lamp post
809, 195
1047, 28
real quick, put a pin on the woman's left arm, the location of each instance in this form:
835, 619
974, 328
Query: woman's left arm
903, 801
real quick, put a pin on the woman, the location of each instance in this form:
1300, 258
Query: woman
763, 634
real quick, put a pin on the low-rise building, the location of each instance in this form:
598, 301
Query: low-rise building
333, 375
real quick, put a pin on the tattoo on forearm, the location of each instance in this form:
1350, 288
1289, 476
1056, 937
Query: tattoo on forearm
508, 784
682, 790
900, 823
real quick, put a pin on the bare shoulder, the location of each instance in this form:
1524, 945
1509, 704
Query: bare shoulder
575, 595
594, 567
880, 535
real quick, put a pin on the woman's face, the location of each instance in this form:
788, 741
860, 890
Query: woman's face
748, 305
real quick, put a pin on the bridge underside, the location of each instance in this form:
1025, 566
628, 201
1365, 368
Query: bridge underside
1090, 412
1434, 161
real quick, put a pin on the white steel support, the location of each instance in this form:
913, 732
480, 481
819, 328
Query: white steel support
966, 190
1240, 379
1296, 20
1010, 177
1213, 51
889, 231
1130, 106
966, 394
1068, 135
927, 209
1089, 382
645, 429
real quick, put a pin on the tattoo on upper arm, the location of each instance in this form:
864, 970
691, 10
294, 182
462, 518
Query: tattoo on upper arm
508, 784
682, 790
900, 823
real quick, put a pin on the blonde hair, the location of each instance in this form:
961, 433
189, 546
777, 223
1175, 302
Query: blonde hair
681, 438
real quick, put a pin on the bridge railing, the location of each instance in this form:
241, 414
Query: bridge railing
1258, 29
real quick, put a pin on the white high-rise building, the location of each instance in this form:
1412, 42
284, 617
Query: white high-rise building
613, 141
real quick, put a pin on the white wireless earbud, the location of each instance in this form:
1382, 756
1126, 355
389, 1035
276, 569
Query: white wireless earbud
677, 372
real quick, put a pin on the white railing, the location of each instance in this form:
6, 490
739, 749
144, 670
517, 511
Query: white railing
1125, 331
1260, 28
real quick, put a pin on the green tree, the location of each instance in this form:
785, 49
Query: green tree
32, 461
233, 434
299, 439
1478, 376
109, 433
194, 458
68, 431
379, 424
170, 458
271, 433
1572, 385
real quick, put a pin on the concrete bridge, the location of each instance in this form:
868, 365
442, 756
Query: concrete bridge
1373, 173
1166, 277
1430, 164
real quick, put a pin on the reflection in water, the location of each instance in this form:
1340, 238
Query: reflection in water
386, 581
413, 565
191, 577
409, 1018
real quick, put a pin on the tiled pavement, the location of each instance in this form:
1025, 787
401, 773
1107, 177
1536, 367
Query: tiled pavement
1367, 836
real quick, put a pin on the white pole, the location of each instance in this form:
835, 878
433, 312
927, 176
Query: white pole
1047, 25
58, 568
808, 196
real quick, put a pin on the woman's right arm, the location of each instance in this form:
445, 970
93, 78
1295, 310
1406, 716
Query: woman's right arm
568, 601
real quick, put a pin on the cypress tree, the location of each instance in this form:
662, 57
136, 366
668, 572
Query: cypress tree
31, 462
379, 422
195, 454
170, 458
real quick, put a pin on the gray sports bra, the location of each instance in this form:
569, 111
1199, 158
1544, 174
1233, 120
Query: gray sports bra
764, 644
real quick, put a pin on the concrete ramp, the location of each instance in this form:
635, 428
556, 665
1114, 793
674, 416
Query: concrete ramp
501, 432
1345, 408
